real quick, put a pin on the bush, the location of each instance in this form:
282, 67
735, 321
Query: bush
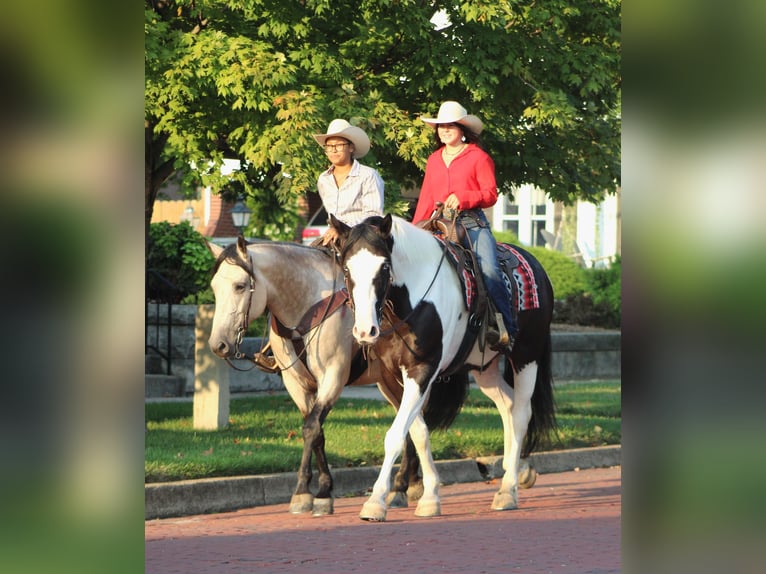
582, 296
605, 285
582, 309
178, 264
599, 305
565, 274
567, 277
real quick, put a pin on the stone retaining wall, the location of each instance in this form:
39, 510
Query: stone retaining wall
591, 354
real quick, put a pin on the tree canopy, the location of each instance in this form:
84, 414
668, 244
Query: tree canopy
254, 79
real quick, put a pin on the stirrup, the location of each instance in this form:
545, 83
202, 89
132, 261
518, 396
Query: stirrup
265, 363
499, 340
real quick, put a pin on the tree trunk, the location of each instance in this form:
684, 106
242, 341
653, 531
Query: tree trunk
156, 172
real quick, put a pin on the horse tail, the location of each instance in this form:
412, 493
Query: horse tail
543, 422
446, 400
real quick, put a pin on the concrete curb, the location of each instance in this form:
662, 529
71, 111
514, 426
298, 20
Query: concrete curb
211, 495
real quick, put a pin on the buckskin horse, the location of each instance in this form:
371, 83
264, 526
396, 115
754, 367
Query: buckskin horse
410, 306
310, 335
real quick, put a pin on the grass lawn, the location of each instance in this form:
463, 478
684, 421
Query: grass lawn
264, 433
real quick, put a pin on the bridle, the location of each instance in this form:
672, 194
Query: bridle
242, 329
383, 299
384, 303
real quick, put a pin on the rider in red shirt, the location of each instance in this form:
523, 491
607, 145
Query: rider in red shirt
461, 175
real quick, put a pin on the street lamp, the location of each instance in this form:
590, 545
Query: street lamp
240, 216
189, 216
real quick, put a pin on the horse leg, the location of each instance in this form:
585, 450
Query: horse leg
302, 500
314, 441
407, 483
414, 480
515, 408
412, 402
429, 503
398, 498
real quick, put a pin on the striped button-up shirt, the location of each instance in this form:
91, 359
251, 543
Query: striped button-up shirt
358, 197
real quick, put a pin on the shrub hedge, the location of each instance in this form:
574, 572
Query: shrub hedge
178, 264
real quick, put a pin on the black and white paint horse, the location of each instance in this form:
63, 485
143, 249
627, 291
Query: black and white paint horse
388, 262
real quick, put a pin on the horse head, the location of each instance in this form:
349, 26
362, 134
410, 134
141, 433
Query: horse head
366, 262
238, 301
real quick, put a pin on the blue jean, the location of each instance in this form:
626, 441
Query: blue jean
484, 246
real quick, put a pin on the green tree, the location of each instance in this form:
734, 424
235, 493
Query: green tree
253, 80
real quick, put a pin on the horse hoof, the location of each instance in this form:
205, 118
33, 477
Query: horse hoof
397, 500
300, 503
527, 477
373, 512
323, 506
505, 501
415, 491
427, 508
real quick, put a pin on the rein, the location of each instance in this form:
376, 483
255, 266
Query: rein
284, 331
395, 326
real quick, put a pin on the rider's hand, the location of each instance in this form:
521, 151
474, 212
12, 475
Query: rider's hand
329, 236
452, 202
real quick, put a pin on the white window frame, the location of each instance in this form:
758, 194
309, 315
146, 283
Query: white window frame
524, 197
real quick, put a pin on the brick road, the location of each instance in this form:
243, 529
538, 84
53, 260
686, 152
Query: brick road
568, 523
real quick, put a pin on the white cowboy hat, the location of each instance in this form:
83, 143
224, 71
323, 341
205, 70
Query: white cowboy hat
454, 113
343, 129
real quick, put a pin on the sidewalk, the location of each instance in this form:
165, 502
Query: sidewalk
568, 523
207, 495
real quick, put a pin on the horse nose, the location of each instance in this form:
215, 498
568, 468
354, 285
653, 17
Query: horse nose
221, 349
364, 336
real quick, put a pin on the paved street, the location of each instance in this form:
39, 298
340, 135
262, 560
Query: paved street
569, 523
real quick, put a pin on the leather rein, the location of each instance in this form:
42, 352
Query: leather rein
308, 322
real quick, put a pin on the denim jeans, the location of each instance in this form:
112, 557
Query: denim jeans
484, 246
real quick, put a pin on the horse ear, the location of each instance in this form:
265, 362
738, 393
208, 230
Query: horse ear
385, 226
339, 226
242, 247
216, 250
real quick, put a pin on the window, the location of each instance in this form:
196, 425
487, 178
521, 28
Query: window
527, 216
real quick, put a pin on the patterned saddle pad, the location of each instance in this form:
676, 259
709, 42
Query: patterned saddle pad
518, 274
520, 278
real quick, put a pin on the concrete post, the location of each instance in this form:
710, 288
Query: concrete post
211, 377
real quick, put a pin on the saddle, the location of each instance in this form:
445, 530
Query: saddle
448, 229
481, 313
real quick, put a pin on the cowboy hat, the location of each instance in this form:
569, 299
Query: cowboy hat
454, 113
343, 129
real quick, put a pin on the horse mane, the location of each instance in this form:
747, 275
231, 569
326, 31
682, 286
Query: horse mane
231, 254
367, 233
413, 244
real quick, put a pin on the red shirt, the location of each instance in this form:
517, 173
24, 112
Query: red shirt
470, 176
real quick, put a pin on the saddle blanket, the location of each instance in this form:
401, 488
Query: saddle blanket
519, 275
522, 278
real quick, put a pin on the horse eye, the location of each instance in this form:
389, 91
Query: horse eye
240, 287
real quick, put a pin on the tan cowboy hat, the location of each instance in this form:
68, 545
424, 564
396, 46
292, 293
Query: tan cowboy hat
454, 113
343, 129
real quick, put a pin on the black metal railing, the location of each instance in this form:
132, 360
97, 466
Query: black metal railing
169, 290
